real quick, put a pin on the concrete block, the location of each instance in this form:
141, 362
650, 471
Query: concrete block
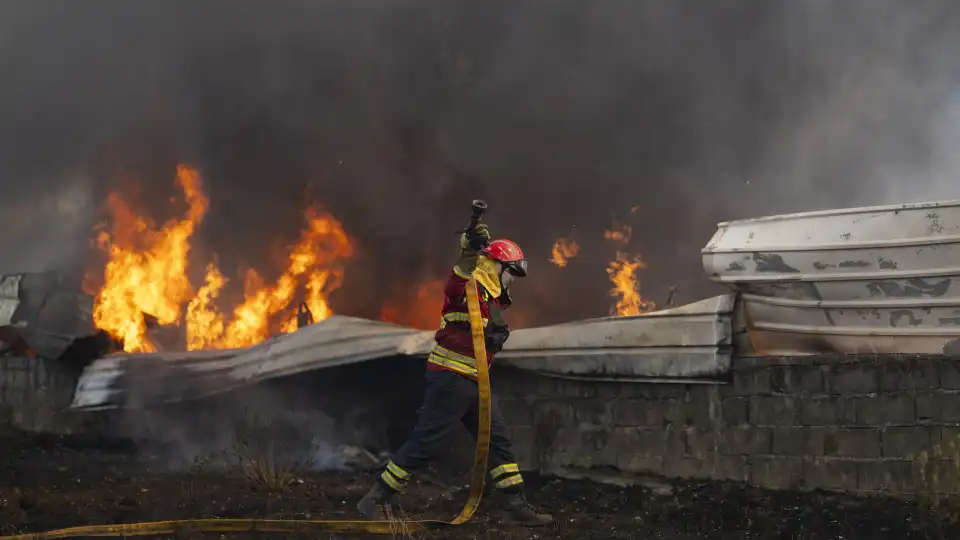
776, 472
746, 440
639, 463
736, 411
894, 477
882, 410
595, 438
774, 410
853, 378
735, 468
677, 466
550, 387
701, 443
751, 382
593, 411
927, 406
568, 440
829, 411
662, 392
949, 374
654, 391
612, 390
906, 442
948, 406
916, 374
648, 442
638, 412
943, 436
703, 406
555, 411
819, 441
674, 412
789, 441
859, 443
516, 412
522, 441
836, 474
796, 379
676, 440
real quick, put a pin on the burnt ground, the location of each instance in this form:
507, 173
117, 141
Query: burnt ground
48, 483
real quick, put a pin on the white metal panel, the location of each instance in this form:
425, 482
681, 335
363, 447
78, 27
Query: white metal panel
689, 341
9, 298
878, 279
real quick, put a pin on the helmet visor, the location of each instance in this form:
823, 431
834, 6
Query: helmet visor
517, 268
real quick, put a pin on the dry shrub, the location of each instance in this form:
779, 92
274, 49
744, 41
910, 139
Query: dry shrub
400, 523
268, 454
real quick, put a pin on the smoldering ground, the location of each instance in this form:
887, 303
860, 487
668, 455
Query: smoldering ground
562, 114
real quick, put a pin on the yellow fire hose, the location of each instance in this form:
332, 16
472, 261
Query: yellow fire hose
477, 478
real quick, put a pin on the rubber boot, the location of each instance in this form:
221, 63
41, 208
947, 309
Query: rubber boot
372, 505
523, 513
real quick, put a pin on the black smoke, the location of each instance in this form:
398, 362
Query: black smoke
396, 113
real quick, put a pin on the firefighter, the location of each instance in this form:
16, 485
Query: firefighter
451, 394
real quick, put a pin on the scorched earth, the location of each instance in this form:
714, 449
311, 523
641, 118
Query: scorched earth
53, 482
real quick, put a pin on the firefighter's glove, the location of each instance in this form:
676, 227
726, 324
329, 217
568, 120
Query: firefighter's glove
471, 242
496, 336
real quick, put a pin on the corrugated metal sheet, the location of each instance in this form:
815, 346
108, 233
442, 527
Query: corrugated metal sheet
689, 341
877, 279
9, 298
51, 310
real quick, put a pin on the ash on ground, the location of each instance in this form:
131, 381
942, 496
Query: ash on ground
54, 482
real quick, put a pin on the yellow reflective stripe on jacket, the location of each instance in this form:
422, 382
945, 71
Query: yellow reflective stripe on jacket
453, 365
455, 317
455, 356
460, 273
503, 469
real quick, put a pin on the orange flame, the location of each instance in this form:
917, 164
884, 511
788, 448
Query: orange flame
626, 289
146, 273
152, 279
564, 249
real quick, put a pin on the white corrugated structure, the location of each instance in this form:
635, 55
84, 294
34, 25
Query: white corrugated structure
690, 342
878, 279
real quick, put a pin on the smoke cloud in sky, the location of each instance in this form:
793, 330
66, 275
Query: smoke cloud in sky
396, 113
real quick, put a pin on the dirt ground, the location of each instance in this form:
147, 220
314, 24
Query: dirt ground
48, 483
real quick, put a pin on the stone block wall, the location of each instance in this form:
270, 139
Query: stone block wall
34, 394
842, 423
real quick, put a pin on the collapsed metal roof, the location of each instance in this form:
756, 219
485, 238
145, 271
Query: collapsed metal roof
49, 310
686, 342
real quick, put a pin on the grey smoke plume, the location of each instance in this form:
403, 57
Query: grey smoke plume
562, 114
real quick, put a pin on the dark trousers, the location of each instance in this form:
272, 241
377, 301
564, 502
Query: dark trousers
450, 399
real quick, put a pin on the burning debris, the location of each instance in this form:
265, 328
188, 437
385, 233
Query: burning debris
623, 275
622, 270
564, 249
146, 277
626, 288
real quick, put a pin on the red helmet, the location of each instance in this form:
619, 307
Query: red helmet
508, 253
